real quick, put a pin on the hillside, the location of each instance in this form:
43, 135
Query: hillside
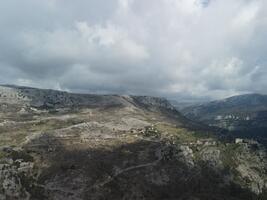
244, 115
59, 145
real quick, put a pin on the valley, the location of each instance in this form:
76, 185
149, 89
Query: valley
242, 116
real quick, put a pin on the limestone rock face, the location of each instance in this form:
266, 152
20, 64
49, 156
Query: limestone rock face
212, 155
251, 166
153, 102
11, 174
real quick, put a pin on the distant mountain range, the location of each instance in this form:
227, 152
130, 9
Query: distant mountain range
245, 115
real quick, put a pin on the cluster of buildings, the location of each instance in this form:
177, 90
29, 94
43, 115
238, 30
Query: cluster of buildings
232, 117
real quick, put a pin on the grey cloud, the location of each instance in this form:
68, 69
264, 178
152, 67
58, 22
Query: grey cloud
170, 48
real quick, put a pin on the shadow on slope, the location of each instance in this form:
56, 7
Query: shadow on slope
139, 170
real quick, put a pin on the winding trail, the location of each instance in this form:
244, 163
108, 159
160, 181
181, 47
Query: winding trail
111, 178
121, 171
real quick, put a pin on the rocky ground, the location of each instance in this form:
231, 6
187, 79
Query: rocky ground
56, 145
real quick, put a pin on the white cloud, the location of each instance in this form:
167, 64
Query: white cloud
247, 14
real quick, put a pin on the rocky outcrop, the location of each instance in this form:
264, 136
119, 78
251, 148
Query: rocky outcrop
153, 102
13, 177
251, 165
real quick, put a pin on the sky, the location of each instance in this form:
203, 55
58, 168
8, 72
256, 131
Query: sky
173, 48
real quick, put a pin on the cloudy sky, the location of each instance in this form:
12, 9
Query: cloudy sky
172, 48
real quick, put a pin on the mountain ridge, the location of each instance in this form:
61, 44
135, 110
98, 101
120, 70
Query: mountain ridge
44, 97
242, 114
